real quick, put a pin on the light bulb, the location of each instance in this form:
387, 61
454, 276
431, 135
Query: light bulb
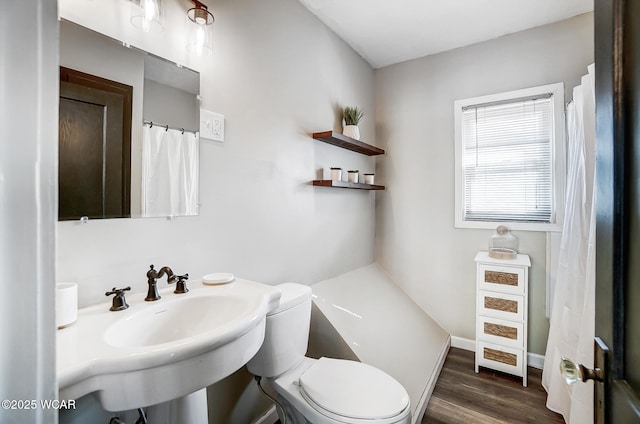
200, 39
150, 10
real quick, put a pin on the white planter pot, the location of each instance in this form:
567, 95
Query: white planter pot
353, 177
351, 131
368, 178
336, 174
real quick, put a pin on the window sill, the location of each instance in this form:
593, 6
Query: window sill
518, 226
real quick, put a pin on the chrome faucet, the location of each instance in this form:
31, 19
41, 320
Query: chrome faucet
152, 280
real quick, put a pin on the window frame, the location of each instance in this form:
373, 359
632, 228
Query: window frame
558, 158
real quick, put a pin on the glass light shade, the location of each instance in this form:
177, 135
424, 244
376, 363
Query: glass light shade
147, 15
201, 32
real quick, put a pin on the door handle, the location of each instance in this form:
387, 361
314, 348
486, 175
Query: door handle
573, 372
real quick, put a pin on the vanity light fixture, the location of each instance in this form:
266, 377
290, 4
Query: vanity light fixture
201, 37
147, 15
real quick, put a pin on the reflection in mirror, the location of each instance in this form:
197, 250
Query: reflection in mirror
94, 146
139, 170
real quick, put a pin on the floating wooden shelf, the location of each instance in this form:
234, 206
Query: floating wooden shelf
345, 184
349, 143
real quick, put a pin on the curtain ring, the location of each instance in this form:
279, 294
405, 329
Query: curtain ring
151, 124
167, 128
182, 130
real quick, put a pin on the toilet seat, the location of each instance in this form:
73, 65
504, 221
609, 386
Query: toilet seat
348, 389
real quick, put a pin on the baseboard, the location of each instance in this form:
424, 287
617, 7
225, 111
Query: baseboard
421, 408
533, 359
462, 343
269, 417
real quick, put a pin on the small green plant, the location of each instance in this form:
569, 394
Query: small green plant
352, 115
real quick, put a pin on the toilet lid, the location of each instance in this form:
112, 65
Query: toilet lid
353, 389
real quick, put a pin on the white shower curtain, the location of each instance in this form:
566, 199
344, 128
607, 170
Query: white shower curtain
572, 322
169, 172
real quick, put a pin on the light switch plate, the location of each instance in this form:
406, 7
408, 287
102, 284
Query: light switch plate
211, 125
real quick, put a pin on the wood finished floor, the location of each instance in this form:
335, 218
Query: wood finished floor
463, 397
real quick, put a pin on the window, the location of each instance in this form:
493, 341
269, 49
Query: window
510, 159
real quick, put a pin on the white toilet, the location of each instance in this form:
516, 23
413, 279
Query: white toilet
324, 390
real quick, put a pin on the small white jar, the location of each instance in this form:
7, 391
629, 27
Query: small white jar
336, 174
66, 300
353, 176
369, 178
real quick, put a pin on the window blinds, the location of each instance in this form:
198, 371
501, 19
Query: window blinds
507, 161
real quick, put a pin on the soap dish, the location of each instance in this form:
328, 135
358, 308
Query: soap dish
218, 278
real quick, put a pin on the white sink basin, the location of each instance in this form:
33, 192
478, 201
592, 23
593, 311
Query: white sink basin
175, 320
158, 351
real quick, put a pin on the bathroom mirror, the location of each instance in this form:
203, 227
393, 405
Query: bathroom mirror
137, 178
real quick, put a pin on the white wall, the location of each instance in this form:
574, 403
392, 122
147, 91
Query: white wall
28, 178
277, 74
416, 240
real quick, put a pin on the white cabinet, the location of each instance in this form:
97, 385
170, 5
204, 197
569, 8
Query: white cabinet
502, 287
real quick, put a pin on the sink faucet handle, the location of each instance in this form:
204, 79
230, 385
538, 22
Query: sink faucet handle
117, 291
181, 285
119, 302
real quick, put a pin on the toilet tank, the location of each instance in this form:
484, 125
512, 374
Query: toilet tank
286, 334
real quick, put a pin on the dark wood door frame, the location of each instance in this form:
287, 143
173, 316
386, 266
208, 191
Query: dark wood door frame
72, 76
617, 57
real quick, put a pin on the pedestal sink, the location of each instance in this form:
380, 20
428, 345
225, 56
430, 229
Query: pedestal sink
158, 351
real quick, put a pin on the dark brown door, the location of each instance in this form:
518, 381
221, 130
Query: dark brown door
617, 54
94, 147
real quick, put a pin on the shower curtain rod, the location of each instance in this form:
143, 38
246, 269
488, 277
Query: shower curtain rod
167, 127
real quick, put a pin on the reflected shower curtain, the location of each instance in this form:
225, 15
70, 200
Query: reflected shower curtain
169, 172
572, 322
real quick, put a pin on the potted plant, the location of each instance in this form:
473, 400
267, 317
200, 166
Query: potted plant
353, 175
351, 116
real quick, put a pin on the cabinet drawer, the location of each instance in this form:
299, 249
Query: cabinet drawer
502, 332
501, 278
500, 358
501, 305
